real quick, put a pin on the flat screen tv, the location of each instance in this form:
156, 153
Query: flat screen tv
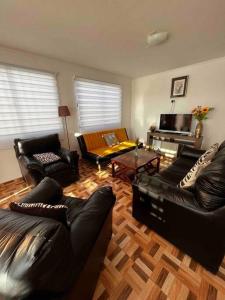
180, 123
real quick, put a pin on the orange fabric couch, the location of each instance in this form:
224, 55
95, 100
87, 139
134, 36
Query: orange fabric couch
93, 145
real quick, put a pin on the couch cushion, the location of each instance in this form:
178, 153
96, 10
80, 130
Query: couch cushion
95, 140
104, 151
175, 172
55, 167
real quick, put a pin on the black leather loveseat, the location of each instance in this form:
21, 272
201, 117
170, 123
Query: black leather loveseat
40, 258
65, 171
194, 219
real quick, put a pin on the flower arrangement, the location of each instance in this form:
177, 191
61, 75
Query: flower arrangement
200, 112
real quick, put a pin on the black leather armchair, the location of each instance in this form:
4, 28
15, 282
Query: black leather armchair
64, 171
40, 258
182, 216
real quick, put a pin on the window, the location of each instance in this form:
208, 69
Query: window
28, 104
99, 105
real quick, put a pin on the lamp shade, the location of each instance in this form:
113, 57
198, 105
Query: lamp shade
63, 111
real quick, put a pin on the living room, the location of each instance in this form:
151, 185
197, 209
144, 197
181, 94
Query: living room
111, 150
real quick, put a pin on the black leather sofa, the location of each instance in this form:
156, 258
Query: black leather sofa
64, 171
40, 258
184, 217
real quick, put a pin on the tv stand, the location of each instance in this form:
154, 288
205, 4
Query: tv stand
176, 138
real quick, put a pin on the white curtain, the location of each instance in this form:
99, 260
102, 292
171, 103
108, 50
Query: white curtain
99, 105
28, 104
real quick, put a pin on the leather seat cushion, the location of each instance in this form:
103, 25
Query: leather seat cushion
104, 151
56, 167
176, 172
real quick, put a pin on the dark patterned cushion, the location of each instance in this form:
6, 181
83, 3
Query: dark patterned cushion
57, 212
46, 158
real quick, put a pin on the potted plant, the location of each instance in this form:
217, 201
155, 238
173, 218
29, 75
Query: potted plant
200, 113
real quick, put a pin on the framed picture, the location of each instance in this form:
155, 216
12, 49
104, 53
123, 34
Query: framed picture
179, 86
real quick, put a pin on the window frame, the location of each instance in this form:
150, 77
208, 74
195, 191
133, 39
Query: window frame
77, 102
7, 143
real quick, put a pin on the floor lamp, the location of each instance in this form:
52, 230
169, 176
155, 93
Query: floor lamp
64, 112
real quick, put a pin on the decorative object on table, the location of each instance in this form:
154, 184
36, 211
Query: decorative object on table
63, 111
136, 148
152, 128
200, 113
179, 86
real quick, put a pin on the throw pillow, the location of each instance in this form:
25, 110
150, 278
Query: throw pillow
57, 212
110, 139
46, 158
210, 153
203, 161
190, 178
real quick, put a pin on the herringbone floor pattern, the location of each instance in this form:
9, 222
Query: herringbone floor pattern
139, 265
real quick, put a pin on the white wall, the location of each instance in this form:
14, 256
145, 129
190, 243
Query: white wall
66, 73
206, 86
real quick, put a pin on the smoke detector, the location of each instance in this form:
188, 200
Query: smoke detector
157, 38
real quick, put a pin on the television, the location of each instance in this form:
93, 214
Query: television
179, 123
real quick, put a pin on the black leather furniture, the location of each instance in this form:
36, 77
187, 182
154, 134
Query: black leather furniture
194, 219
40, 258
64, 171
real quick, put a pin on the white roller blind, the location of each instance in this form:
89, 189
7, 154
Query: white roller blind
28, 104
99, 105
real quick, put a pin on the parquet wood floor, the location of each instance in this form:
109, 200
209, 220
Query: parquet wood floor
139, 265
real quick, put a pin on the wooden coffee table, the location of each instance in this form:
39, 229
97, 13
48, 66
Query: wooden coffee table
125, 164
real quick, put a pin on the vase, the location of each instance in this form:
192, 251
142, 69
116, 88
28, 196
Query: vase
198, 130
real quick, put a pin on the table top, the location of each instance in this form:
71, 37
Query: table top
130, 160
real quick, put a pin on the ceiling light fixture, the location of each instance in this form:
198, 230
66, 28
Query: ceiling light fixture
157, 38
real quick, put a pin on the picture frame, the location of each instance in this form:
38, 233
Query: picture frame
179, 86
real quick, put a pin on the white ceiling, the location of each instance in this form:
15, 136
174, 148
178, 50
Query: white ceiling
111, 34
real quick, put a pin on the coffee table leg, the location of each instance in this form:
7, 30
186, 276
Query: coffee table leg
113, 169
158, 164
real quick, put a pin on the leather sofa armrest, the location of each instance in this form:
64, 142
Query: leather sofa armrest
71, 157
157, 189
87, 225
190, 152
103, 198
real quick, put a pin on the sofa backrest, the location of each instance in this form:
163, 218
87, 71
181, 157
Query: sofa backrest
210, 185
95, 140
47, 143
